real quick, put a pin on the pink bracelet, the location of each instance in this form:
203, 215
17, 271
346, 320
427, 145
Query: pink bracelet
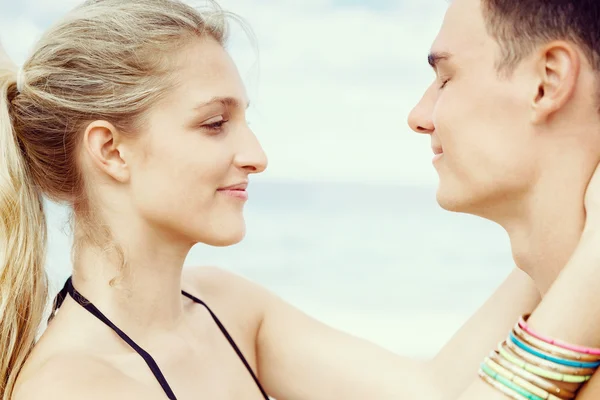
556, 342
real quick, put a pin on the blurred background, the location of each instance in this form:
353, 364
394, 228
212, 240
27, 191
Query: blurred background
344, 224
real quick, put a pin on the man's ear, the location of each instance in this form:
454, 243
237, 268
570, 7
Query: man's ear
558, 66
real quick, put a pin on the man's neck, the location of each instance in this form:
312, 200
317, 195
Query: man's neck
543, 247
544, 237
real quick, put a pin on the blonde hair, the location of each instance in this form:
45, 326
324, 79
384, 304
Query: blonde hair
108, 59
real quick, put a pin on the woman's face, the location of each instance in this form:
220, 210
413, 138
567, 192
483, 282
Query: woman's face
190, 167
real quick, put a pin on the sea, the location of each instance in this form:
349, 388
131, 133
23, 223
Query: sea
382, 262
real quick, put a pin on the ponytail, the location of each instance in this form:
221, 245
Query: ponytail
23, 284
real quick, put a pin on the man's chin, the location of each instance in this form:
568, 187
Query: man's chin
490, 206
456, 200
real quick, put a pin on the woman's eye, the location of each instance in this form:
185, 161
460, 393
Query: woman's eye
214, 125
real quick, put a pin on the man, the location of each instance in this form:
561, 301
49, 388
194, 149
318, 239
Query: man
514, 121
516, 129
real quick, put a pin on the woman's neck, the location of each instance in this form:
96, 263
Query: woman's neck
137, 287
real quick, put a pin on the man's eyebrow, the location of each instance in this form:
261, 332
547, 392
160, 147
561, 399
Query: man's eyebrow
435, 57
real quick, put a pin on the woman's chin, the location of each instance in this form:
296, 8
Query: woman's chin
224, 239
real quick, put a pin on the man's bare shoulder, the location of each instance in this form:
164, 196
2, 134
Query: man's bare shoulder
77, 376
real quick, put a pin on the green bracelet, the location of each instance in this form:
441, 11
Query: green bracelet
555, 376
509, 384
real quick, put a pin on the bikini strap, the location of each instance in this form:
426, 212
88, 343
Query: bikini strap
230, 340
85, 303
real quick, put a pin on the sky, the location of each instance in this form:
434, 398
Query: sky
331, 85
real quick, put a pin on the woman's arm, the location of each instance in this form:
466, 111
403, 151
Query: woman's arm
325, 363
301, 358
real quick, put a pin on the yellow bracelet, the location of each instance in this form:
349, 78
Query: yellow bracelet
540, 382
555, 376
519, 381
548, 365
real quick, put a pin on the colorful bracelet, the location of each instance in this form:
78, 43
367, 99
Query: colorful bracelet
531, 388
549, 357
500, 387
527, 362
580, 349
548, 365
555, 376
540, 382
509, 384
550, 348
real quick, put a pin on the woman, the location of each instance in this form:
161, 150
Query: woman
132, 112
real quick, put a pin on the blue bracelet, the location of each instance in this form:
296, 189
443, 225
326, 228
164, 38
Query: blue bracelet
560, 361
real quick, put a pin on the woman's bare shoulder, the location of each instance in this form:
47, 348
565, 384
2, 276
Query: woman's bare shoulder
216, 282
77, 376
234, 298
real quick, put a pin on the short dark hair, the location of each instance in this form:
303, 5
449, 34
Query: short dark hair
521, 25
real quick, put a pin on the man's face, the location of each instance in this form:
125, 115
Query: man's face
478, 120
